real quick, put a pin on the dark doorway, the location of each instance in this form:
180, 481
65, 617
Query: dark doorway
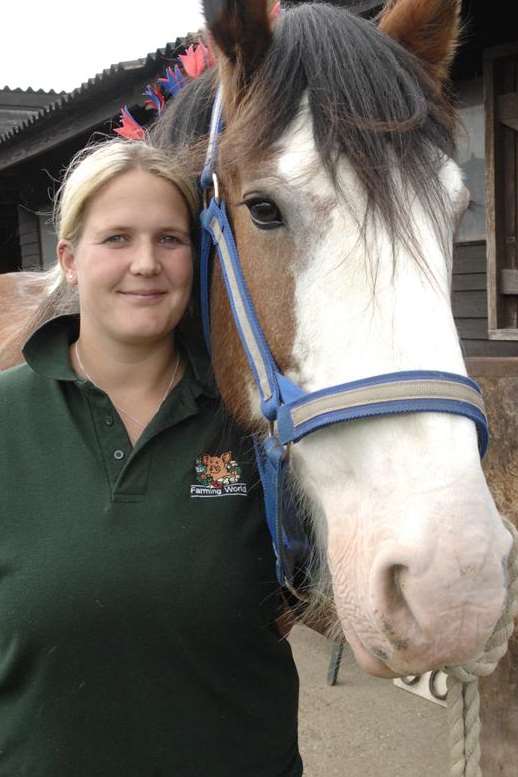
10, 257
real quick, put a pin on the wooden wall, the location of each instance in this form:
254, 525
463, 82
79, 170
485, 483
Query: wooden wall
29, 236
469, 290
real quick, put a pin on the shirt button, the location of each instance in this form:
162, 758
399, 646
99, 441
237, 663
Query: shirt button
108, 420
118, 454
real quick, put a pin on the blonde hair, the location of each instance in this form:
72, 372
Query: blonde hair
93, 167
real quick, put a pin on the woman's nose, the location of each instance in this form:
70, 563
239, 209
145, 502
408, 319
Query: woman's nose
145, 260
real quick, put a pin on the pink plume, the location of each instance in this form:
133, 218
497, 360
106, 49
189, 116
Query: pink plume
195, 60
130, 128
276, 11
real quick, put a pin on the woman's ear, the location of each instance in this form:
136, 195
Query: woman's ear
66, 259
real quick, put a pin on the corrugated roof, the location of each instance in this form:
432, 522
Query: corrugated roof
148, 66
17, 105
29, 90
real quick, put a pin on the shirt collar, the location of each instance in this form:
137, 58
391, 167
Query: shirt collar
46, 350
47, 353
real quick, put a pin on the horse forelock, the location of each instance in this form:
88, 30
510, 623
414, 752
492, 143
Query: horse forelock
369, 99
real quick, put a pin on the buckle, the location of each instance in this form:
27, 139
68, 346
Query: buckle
276, 444
210, 192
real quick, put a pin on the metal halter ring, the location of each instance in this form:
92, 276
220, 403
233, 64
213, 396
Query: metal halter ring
273, 432
215, 190
215, 184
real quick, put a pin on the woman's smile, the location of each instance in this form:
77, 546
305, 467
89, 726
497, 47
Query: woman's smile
144, 297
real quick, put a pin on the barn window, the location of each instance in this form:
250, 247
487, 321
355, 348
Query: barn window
501, 105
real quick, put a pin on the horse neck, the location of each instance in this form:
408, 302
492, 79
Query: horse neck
21, 294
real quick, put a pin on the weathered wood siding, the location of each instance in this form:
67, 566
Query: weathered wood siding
501, 98
29, 237
48, 240
469, 296
470, 276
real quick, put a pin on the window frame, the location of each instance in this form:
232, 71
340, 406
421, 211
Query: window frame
498, 275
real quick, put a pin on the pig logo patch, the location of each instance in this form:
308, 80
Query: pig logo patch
218, 475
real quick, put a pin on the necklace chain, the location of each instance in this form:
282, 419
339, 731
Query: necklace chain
121, 409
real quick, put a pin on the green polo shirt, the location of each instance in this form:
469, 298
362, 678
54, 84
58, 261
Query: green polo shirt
137, 585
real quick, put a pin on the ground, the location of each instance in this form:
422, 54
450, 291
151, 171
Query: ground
363, 726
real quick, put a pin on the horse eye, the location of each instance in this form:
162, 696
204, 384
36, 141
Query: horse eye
265, 214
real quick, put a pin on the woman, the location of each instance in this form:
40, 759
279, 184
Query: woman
137, 585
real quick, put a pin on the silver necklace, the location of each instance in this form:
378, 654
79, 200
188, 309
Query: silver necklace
121, 409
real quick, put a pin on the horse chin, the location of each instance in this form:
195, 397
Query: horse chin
369, 663
385, 667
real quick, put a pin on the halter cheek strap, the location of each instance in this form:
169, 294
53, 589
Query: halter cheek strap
293, 413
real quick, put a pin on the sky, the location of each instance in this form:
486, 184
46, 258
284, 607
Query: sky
59, 45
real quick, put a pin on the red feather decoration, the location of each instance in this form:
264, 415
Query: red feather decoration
276, 11
130, 128
195, 60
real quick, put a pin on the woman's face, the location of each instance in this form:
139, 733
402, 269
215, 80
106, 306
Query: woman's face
133, 261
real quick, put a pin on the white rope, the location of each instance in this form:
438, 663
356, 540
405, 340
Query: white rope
463, 697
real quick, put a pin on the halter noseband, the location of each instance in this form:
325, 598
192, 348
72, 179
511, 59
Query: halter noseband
291, 412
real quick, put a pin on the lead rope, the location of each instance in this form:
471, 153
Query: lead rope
463, 696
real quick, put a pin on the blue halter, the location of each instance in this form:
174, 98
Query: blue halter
291, 412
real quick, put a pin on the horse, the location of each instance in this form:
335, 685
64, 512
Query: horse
335, 163
21, 295
336, 166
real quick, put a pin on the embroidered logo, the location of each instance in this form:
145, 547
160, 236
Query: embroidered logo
217, 476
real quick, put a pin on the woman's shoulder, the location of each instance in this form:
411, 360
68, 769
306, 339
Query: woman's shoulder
18, 382
26, 402
16, 375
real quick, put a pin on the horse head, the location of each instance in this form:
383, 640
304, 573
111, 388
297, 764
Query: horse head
336, 166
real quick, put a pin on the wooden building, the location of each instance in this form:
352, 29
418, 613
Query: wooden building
35, 150
16, 107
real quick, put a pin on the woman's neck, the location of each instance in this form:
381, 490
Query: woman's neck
128, 368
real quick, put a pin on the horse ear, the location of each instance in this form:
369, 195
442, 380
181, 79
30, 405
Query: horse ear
430, 29
241, 30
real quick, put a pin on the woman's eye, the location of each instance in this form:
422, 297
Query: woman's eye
265, 214
115, 239
170, 240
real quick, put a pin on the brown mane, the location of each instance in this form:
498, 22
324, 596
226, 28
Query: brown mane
27, 303
21, 295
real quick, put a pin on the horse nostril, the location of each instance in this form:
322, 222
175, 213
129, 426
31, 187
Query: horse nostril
391, 585
389, 582
396, 576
